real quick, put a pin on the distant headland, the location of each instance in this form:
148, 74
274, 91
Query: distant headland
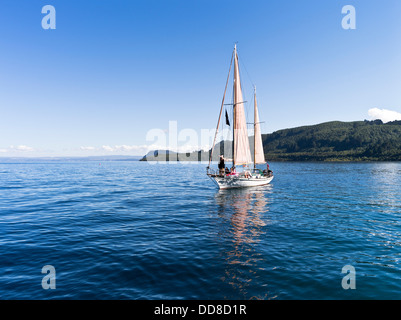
329, 141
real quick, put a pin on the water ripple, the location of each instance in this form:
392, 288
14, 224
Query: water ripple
132, 230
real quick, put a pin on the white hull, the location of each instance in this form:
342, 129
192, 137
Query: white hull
228, 182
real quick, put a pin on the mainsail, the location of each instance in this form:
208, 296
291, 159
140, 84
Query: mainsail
242, 152
259, 155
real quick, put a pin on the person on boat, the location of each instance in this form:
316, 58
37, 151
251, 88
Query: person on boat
227, 171
267, 172
221, 165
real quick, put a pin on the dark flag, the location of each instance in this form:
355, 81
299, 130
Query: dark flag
227, 120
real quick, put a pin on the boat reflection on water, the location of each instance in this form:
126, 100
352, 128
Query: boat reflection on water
242, 224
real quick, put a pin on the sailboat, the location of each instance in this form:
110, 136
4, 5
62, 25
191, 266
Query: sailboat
241, 152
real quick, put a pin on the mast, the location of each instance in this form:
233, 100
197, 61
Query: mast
241, 149
258, 152
254, 127
235, 64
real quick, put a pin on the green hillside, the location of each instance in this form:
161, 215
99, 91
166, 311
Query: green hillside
336, 141
330, 141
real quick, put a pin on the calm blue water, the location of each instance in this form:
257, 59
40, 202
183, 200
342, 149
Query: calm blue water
133, 230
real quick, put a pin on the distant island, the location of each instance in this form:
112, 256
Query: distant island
329, 141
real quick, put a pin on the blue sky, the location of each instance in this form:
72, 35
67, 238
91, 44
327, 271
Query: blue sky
113, 70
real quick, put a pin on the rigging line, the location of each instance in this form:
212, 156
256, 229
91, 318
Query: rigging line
245, 103
250, 79
244, 90
221, 110
244, 93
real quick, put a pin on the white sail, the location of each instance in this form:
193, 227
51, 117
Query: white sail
242, 152
259, 155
